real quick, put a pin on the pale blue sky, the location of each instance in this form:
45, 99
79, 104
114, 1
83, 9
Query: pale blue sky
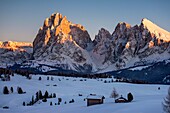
21, 19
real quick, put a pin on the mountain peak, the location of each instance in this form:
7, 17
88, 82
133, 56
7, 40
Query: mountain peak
147, 23
124, 24
156, 30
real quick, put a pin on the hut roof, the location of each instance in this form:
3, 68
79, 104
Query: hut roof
121, 98
94, 97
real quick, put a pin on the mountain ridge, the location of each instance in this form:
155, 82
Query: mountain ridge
14, 52
63, 44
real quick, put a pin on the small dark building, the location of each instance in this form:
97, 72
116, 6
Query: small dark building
121, 100
94, 99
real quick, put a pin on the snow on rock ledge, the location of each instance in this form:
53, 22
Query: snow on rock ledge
156, 30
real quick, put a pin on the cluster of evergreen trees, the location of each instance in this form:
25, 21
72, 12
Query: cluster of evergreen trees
111, 81
7, 73
60, 100
40, 96
122, 79
48, 78
7, 91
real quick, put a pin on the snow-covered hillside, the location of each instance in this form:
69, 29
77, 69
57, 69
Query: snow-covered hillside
147, 98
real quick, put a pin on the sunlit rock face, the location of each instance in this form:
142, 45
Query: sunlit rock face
63, 43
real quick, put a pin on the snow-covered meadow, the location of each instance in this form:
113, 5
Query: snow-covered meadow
147, 97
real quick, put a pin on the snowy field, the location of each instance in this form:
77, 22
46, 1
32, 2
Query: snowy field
147, 98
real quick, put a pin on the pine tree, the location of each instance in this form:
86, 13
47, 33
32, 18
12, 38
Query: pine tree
40, 94
23, 104
39, 78
6, 91
105, 81
54, 95
37, 96
48, 78
130, 97
19, 89
32, 100
166, 104
51, 103
72, 100
46, 94
59, 100
52, 78
12, 90
50, 96
114, 94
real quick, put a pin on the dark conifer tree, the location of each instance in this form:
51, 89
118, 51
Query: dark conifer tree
37, 96
46, 94
72, 100
130, 97
12, 90
54, 95
59, 100
6, 91
32, 100
23, 104
48, 78
40, 94
20, 91
52, 78
50, 96
51, 103
39, 78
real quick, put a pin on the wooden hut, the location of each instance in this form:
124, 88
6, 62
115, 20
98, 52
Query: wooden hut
121, 100
94, 99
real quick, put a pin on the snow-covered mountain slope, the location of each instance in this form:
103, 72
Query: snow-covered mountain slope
14, 52
132, 46
156, 30
147, 98
153, 73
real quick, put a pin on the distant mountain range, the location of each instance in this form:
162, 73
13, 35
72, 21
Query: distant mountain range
14, 52
62, 44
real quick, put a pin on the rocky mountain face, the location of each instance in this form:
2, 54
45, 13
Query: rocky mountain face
61, 44
14, 52
132, 46
69, 46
